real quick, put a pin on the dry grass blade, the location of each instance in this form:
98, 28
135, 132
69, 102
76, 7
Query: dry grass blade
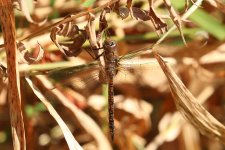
87, 122
187, 104
14, 97
71, 141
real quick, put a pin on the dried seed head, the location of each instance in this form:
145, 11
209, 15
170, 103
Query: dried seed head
123, 12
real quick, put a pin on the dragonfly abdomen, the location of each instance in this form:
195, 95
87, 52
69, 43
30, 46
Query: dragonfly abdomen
111, 63
111, 107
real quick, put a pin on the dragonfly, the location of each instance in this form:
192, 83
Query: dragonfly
106, 72
109, 71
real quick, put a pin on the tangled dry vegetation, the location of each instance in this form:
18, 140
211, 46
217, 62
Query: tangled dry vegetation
169, 87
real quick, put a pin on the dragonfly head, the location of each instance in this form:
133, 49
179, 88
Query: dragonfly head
110, 45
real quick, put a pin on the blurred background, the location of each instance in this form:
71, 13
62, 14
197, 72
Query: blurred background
145, 113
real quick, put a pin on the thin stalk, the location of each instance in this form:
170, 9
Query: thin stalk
14, 96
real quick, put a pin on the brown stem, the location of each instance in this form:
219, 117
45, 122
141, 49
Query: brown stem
14, 97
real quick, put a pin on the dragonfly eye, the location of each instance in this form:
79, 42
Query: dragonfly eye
109, 45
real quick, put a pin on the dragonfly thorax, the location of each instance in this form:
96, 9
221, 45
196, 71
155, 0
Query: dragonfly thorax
109, 46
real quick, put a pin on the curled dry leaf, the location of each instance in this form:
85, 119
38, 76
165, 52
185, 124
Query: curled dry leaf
3, 74
71, 141
175, 18
90, 29
26, 57
141, 14
77, 37
144, 15
103, 24
122, 11
158, 23
24, 8
3, 71
188, 105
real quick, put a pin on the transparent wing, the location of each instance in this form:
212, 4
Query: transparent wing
81, 78
145, 63
145, 70
65, 73
85, 78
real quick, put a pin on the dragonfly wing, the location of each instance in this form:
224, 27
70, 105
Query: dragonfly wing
78, 78
65, 73
145, 63
146, 69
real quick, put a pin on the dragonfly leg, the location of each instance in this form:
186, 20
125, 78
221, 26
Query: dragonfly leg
99, 56
93, 57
